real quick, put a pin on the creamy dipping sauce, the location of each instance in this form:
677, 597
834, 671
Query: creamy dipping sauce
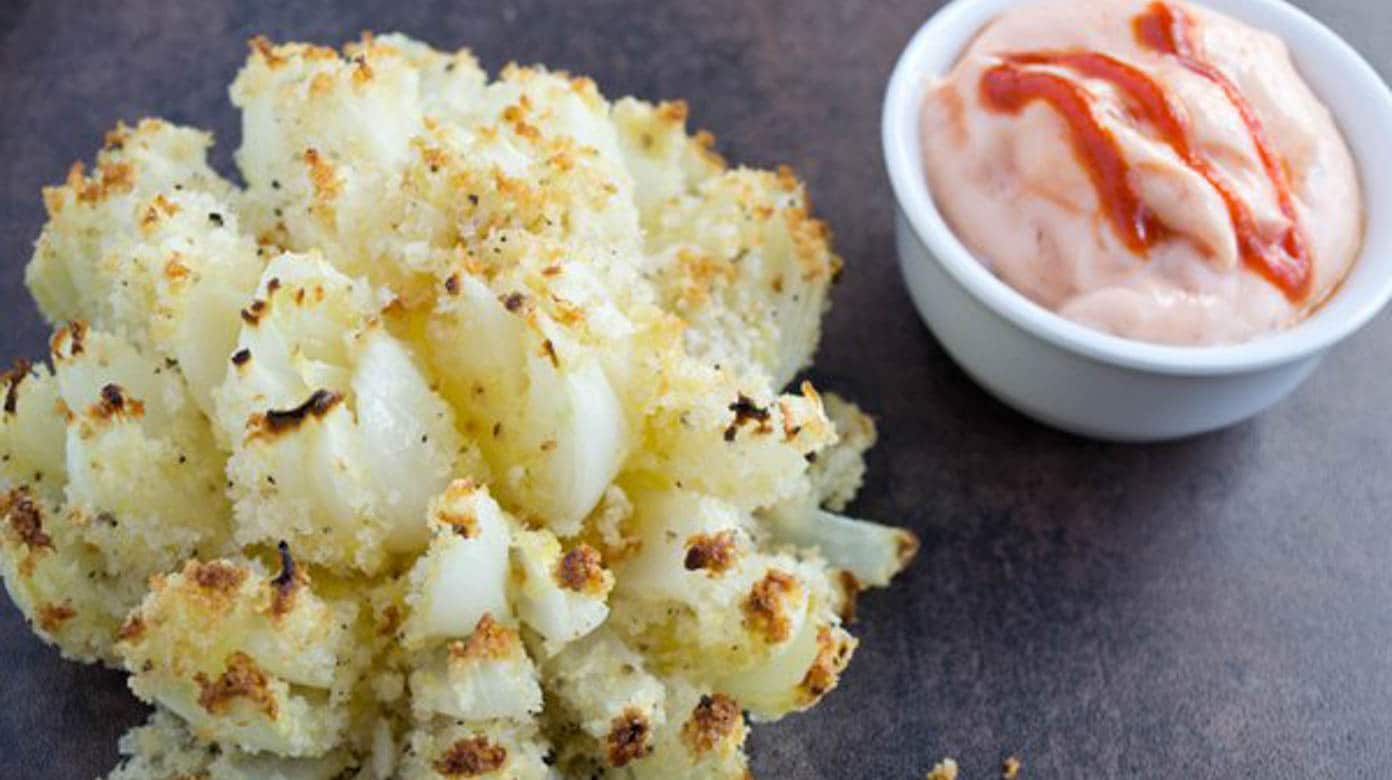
1148, 168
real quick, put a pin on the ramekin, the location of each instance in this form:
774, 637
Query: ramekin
1092, 383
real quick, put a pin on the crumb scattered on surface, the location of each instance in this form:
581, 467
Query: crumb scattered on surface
945, 769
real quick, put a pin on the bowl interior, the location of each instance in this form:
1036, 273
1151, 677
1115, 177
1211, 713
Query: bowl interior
1356, 96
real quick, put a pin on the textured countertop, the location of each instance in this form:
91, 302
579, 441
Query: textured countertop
1220, 607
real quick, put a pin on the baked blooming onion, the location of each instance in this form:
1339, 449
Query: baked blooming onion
453, 444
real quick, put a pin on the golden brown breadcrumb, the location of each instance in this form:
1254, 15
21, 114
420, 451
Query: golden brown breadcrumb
241, 679
629, 739
766, 608
471, 757
714, 718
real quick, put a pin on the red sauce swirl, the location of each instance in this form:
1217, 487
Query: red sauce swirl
1018, 81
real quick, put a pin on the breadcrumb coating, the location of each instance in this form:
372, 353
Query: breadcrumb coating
457, 443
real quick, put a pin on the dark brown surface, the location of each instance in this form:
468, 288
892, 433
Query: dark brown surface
1216, 608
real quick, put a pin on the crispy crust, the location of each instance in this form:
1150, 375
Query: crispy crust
323, 177
12, 380
833, 653
629, 738
25, 519
156, 211
51, 617
110, 178
114, 403
242, 679
215, 576
69, 340
131, 631
581, 570
712, 553
490, 641
471, 757
276, 422
747, 412
766, 607
713, 719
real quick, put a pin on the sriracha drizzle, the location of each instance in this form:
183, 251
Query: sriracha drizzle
1015, 83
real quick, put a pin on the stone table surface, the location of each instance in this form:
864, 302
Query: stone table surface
1219, 607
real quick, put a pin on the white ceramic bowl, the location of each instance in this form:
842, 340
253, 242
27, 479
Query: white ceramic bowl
1092, 383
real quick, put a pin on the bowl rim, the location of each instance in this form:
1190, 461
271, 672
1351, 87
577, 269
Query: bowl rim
899, 135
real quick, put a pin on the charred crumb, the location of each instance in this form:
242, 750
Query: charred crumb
714, 718
25, 519
75, 333
629, 738
240, 357
277, 421
215, 218
111, 395
746, 411
581, 569
514, 301
713, 553
114, 401
12, 380
252, 314
452, 284
471, 757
